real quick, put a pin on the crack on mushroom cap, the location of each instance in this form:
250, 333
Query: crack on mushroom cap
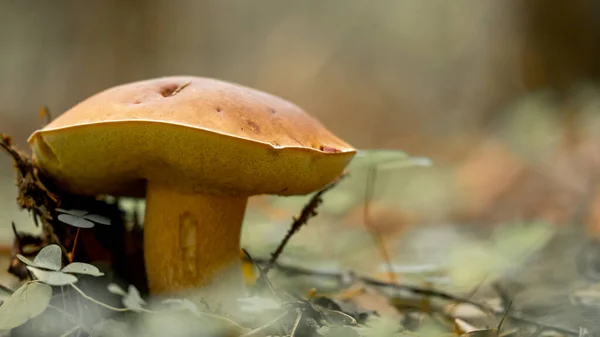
329, 149
168, 90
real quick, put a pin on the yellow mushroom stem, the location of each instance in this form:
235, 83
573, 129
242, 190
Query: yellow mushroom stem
192, 241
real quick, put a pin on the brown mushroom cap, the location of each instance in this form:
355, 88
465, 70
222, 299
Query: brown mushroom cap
209, 135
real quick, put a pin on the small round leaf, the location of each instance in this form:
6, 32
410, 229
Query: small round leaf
116, 289
82, 268
53, 278
49, 258
76, 212
133, 300
27, 261
75, 221
98, 219
29, 301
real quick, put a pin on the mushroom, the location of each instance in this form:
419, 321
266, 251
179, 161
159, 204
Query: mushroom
198, 148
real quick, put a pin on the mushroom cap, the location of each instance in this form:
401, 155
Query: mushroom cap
201, 134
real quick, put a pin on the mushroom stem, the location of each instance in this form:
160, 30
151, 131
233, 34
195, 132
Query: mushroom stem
192, 241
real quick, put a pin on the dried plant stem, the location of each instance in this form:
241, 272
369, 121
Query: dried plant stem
70, 331
72, 254
379, 242
296, 323
89, 298
422, 292
259, 331
309, 211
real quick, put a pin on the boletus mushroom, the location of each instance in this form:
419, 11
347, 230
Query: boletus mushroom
198, 148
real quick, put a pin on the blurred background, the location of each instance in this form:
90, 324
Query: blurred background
501, 95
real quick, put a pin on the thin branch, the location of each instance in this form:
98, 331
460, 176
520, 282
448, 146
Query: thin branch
70, 331
296, 323
508, 306
45, 113
262, 276
309, 211
420, 291
259, 331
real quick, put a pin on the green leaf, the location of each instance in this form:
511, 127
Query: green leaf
404, 163
48, 258
377, 157
517, 241
53, 278
27, 261
81, 218
82, 268
507, 247
76, 212
133, 300
75, 221
98, 219
475, 262
116, 289
29, 301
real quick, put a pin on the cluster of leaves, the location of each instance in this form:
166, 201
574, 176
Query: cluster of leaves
32, 298
81, 218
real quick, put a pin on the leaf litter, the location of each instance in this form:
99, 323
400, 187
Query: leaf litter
271, 311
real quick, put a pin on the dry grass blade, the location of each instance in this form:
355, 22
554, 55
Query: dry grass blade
369, 193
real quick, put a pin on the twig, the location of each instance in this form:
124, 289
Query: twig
45, 113
504, 297
508, 306
6, 145
262, 276
258, 331
70, 331
421, 291
296, 323
309, 211
33, 194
